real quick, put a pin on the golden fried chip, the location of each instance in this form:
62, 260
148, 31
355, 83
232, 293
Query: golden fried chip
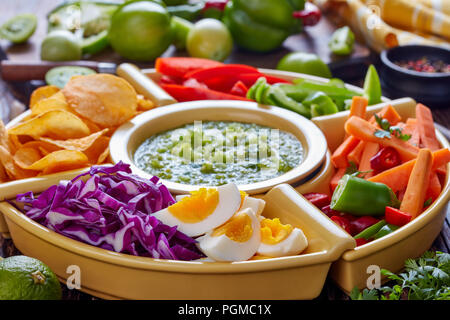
55, 124
13, 171
4, 139
91, 125
144, 104
3, 175
49, 104
44, 147
26, 156
105, 99
42, 93
60, 161
99, 151
76, 144
14, 142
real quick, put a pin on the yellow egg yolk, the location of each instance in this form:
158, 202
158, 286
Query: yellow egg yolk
238, 228
243, 195
196, 207
273, 231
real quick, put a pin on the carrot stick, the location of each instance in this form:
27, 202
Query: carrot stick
355, 155
397, 178
369, 151
434, 188
363, 130
339, 157
412, 129
335, 179
358, 107
388, 113
417, 184
426, 127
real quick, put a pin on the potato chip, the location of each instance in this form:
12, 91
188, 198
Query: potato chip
44, 147
105, 99
76, 144
60, 161
144, 104
26, 156
96, 153
3, 174
4, 139
13, 171
14, 142
55, 124
49, 104
42, 93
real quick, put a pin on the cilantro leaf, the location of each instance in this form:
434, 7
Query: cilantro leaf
383, 123
382, 134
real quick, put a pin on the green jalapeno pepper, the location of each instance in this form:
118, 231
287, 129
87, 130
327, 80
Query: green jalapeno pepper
342, 40
371, 231
361, 197
385, 230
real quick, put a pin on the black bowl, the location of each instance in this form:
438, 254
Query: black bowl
431, 89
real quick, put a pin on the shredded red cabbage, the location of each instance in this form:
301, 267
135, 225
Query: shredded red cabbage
112, 210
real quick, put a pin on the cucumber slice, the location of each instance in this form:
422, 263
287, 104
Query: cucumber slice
19, 29
59, 76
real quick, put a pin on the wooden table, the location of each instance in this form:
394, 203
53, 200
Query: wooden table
313, 40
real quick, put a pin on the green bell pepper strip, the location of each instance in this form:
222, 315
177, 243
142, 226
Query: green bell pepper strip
331, 90
320, 104
342, 41
282, 100
361, 197
385, 230
261, 25
371, 231
372, 86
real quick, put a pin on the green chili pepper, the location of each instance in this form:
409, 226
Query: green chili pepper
361, 197
262, 25
372, 86
342, 40
371, 231
320, 104
385, 230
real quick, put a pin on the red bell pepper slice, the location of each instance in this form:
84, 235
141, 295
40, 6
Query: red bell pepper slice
329, 212
320, 200
344, 223
182, 93
396, 217
252, 77
170, 80
239, 89
179, 66
225, 83
363, 223
220, 71
361, 241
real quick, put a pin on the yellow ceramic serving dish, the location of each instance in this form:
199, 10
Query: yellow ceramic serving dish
113, 275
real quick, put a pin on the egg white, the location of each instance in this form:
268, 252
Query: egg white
292, 245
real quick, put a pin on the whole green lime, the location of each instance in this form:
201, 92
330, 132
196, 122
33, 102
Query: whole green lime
303, 62
140, 30
25, 278
60, 45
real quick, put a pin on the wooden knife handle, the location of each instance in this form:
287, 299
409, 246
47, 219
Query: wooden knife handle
36, 70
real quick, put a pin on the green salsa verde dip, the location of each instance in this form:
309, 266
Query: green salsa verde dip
214, 153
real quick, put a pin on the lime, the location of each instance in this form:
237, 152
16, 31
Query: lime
25, 278
210, 39
19, 28
140, 30
59, 76
303, 62
60, 45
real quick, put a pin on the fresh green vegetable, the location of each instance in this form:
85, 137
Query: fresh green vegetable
210, 39
60, 45
361, 197
59, 76
189, 12
304, 62
180, 29
19, 28
262, 25
140, 30
320, 104
281, 99
371, 231
372, 86
342, 41
385, 230
425, 278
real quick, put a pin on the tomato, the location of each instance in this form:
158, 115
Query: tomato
303, 62
60, 45
210, 39
140, 30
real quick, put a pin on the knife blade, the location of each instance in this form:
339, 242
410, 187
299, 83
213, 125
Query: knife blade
36, 70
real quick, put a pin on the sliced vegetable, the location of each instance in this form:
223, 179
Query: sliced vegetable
370, 232
372, 86
339, 157
396, 217
337, 176
344, 223
362, 223
426, 127
361, 197
358, 107
366, 131
356, 154
370, 150
320, 104
59, 76
220, 71
434, 187
412, 129
414, 197
385, 230
179, 66
385, 159
182, 93
342, 40
318, 199
111, 210
239, 89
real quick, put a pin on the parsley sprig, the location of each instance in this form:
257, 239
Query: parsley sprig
387, 130
425, 278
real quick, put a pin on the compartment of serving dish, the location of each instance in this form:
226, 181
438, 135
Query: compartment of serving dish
114, 275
